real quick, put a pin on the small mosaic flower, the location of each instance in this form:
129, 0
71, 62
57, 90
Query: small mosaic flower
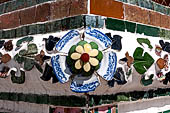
84, 58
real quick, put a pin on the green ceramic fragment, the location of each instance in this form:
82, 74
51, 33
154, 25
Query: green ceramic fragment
25, 39
72, 50
97, 67
94, 45
70, 61
148, 81
100, 56
19, 59
142, 63
22, 52
28, 64
115, 24
82, 43
122, 98
18, 80
32, 49
145, 41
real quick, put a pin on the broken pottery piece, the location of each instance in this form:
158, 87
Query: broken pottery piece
102, 40
130, 59
8, 45
51, 42
82, 84
32, 49
146, 41
158, 50
165, 46
108, 65
5, 58
161, 63
2, 43
47, 73
28, 64
119, 76
16, 79
60, 68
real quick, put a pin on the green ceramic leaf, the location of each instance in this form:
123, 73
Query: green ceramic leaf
142, 63
72, 50
88, 73
32, 49
22, 52
94, 45
18, 59
145, 41
100, 56
82, 43
25, 39
28, 64
147, 82
69, 61
97, 67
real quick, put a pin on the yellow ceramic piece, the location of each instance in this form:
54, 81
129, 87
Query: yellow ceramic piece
87, 48
78, 64
93, 52
94, 61
79, 49
87, 67
75, 56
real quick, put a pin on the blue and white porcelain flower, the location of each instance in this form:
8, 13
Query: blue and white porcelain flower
80, 83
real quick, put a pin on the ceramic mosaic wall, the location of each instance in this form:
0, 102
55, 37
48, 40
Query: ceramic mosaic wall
65, 56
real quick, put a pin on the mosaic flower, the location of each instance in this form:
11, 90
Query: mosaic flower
86, 59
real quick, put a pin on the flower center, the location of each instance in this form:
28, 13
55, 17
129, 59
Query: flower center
85, 57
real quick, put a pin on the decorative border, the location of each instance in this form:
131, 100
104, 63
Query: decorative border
80, 21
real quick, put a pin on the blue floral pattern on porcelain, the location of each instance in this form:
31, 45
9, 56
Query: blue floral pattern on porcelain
57, 67
100, 36
65, 39
80, 88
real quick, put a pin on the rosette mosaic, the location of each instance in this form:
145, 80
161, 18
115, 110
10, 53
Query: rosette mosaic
84, 59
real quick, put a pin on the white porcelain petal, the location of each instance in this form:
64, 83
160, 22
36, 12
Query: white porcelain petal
75, 56
84, 84
93, 52
79, 49
87, 48
78, 64
71, 38
108, 65
87, 67
96, 36
93, 61
60, 68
